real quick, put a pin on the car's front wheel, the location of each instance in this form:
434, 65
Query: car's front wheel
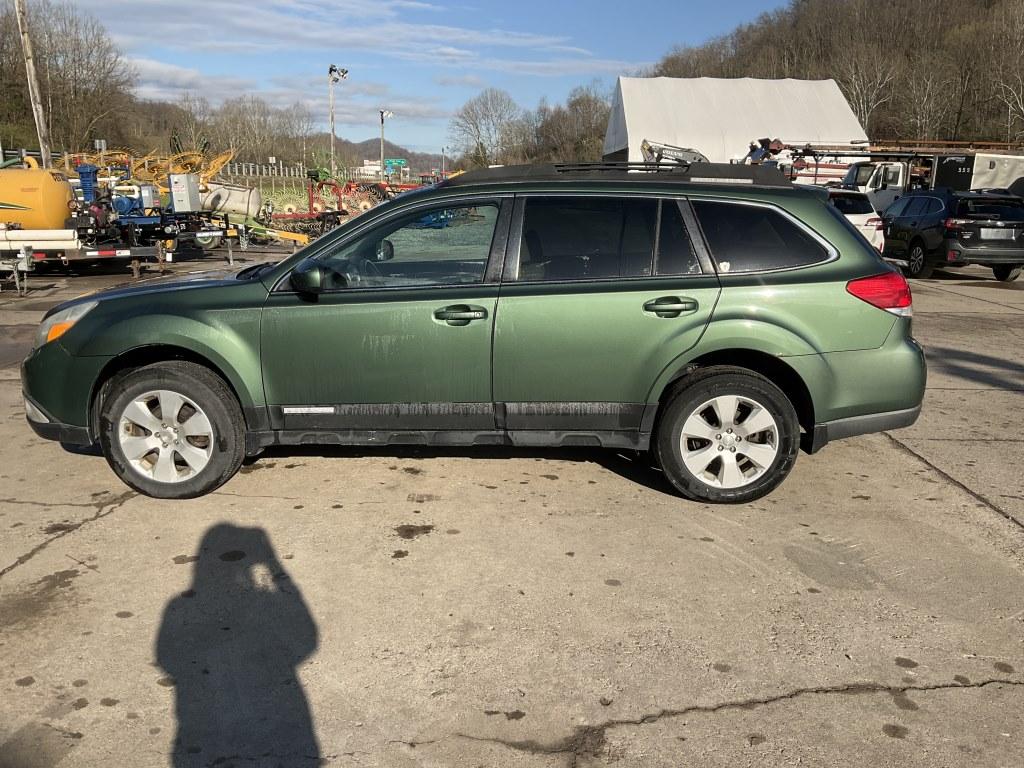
1007, 272
172, 430
727, 435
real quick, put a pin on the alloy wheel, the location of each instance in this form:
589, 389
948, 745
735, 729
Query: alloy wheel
165, 436
729, 441
916, 259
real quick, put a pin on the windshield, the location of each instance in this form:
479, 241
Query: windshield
851, 204
858, 175
991, 208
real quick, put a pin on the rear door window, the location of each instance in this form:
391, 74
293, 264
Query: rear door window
752, 238
896, 209
587, 238
918, 205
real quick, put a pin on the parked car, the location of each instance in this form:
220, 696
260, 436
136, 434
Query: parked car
930, 228
856, 207
714, 315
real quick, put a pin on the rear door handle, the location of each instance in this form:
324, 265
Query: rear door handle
670, 306
460, 314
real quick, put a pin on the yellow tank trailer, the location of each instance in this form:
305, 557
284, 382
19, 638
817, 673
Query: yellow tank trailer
34, 198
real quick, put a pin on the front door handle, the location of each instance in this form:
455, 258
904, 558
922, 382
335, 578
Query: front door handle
670, 306
460, 314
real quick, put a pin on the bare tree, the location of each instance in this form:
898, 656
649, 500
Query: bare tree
481, 127
85, 79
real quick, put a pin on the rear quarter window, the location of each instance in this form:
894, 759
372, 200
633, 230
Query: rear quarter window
754, 238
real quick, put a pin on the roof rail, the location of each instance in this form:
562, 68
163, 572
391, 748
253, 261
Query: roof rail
620, 165
706, 173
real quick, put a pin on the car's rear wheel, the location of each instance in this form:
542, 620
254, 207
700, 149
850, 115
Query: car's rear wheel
172, 430
727, 435
1007, 272
917, 261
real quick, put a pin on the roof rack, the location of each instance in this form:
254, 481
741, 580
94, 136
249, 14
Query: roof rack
694, 173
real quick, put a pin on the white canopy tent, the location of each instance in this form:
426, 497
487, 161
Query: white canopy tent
719, 117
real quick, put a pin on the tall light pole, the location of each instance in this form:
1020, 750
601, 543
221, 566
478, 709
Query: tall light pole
384, 113
442, 161
33, 84
334, 74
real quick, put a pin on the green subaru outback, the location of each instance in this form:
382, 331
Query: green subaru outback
714, 315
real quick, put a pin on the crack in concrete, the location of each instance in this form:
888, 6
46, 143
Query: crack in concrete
589, 740
103, 509
953, 481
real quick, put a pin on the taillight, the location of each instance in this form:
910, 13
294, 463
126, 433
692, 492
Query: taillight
955, 223
875, 222
889, 291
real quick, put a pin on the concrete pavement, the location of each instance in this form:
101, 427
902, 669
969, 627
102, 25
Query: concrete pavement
478, 608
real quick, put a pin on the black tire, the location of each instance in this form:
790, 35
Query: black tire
209, 243
700, 388
212, 396
918, 265
1007, 272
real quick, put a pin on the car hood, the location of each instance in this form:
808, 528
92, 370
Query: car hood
161, 284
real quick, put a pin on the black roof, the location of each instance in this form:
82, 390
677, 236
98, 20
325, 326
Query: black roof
712, 173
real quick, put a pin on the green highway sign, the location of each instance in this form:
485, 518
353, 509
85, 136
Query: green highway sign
399, 162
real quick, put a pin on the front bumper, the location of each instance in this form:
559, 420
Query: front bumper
45, 426
58, 389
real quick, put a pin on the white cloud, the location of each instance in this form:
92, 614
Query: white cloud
460, 81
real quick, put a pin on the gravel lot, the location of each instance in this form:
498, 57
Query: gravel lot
484, 608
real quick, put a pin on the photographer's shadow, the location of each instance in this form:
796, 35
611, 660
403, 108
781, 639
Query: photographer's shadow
232, 644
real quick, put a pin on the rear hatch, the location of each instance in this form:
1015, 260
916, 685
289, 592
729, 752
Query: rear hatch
857, 208
988, 222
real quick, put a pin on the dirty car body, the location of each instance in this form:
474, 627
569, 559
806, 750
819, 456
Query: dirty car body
720, 325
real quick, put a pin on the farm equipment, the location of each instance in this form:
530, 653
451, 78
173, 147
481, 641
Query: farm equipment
327, 202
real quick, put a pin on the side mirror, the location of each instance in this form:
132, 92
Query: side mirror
308, 277
385, 250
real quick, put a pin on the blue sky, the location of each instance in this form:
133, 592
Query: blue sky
420, 58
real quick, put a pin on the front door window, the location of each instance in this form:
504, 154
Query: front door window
438, 246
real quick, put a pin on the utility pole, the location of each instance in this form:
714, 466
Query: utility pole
384, 113
442, 161
33, 84
334, 74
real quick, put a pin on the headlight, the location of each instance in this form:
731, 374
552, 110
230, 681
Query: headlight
60, 323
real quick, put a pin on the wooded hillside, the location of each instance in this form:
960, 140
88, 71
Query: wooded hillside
911, 69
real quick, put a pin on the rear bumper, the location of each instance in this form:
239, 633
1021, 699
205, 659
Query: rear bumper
983, 256
858, 425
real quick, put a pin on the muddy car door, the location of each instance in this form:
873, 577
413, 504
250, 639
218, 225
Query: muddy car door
395, 332
599, 294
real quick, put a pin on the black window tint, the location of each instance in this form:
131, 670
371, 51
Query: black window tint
748, 238
991, 208
918, 205
935, 205
586, 238
897, 208
675, 251
851, 204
